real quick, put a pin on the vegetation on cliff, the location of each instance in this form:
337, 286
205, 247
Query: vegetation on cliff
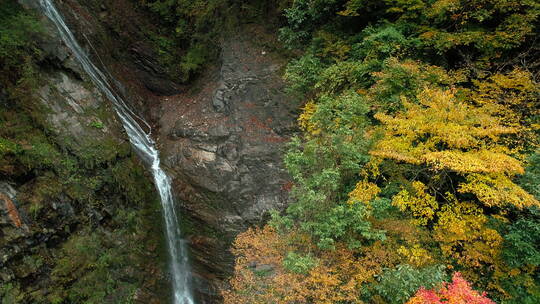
189, 32
418, 157
86, 208
416, 174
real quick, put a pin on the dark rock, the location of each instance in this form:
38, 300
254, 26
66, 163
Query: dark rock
229, 151
64, 209
220, 98
8, 190
219, 132
225, 152
223, 144
185, 129
150, 72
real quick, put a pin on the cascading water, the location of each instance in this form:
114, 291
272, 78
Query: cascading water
145, 147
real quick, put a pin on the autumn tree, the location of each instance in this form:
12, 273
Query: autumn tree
456, 292
418, 151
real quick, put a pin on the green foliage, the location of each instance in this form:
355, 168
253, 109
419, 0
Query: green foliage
18, 33
403, 79
97, 124
522, 241
7, 146
298, 263
530, 181
128, 177
302, 74
521, 247
347, 223
303, 18
397, 285
194, 59
373, 61
489, 27
185, 41
341, 76
325, 164
10, 294
381, 42
382, 208
324, 168
189, 31
523, 289
365, 63
180, 61
94, 266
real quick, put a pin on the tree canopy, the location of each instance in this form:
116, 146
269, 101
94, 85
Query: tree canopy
418, 157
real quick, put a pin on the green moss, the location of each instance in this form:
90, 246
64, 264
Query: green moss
102, 264
18, 30
189, 227
97, 124
95, 262
10, 293
128, 177
189, 31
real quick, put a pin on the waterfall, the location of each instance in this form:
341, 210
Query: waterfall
145, 148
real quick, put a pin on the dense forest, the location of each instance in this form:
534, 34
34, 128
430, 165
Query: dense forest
415, 171
417, 163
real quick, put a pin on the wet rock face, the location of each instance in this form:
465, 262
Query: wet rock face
48, 208
222, 142
115, 29
224, 145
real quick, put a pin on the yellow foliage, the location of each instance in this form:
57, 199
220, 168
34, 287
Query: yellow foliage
364, 192
447, 134
443, 133
514, 97
414, 75
422, 205
337, 278
462, 234
478, 136
497, 190
334, 46
483, 161
401, 230
516, 88
425, 74
305, 118
489, 25
416, 255
371, 169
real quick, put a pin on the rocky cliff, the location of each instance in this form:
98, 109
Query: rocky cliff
221, 140
78, 213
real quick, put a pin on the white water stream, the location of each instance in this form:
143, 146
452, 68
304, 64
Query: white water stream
145, 147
